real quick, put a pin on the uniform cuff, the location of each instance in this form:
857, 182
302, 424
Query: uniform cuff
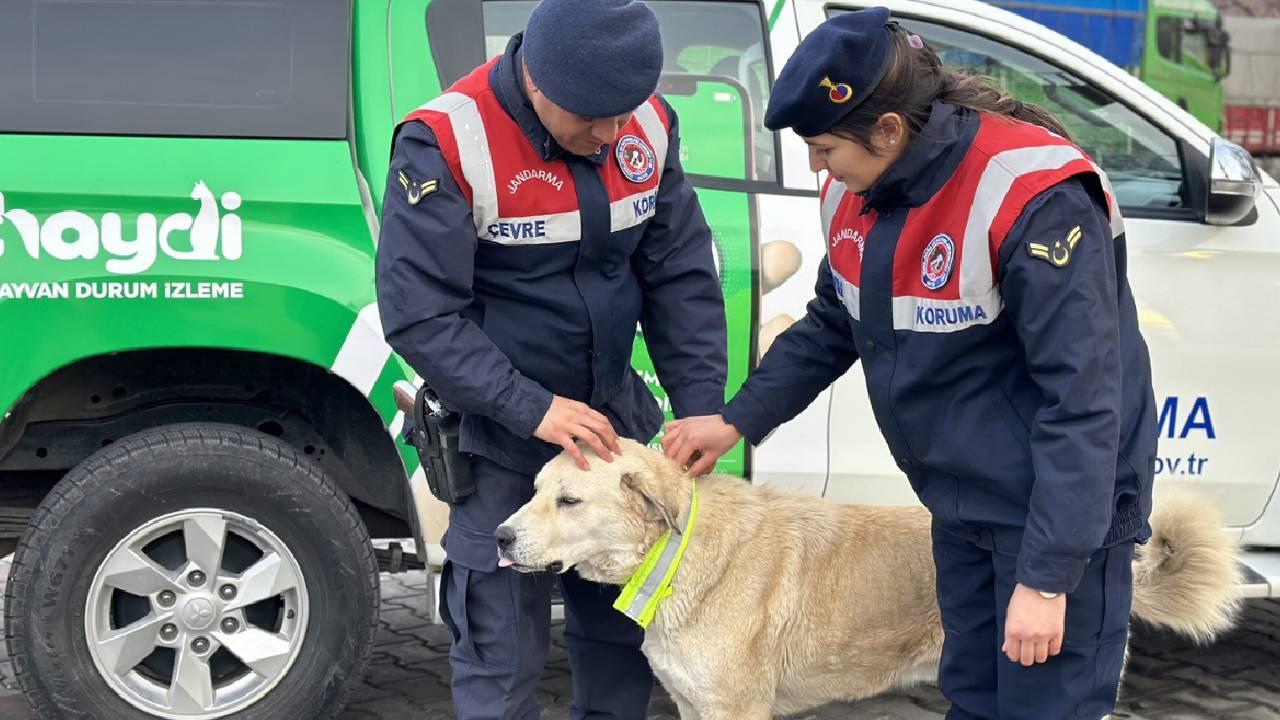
525, 408
1050, 573
698, 398
748, 416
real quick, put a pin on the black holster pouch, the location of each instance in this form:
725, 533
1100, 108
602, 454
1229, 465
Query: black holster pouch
435, 437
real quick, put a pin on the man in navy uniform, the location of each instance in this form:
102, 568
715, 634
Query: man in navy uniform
535, 212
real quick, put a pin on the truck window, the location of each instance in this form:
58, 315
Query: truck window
1141, 160
1168, 30
211, 68
1195, 45
716, 76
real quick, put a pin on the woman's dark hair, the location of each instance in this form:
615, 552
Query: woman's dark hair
915, 78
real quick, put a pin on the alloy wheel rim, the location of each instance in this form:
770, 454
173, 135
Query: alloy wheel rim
196, 614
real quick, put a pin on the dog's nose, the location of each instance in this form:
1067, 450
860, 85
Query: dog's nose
505, 536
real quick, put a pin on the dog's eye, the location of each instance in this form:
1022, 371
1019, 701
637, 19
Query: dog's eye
566, 501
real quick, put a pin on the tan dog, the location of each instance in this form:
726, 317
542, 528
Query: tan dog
784, 601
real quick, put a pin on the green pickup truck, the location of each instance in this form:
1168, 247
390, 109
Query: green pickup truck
199, 437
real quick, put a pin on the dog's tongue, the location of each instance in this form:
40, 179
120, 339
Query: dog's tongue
503, 562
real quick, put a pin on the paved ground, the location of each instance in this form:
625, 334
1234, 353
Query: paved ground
1236, 679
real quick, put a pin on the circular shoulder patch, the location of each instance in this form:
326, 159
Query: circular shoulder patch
635, 159
935, 265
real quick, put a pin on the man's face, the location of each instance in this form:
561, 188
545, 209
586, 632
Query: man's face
574, 133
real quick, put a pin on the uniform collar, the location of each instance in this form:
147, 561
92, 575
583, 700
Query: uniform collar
507, 81
928, 162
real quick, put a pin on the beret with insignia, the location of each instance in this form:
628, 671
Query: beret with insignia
834, 69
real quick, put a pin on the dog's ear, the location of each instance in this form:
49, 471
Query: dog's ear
658, 493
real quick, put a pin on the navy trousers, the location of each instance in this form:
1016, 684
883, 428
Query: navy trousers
500, 620
1080, 683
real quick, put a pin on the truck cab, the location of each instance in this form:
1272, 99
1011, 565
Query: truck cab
1186, 56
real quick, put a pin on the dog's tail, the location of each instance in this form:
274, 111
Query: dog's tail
1186, 577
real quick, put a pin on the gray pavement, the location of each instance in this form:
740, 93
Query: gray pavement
1237, 678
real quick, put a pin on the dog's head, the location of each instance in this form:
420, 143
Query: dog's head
600, 521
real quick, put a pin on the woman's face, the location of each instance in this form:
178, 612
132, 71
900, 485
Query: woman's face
852, 164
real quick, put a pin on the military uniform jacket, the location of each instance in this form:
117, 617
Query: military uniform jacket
982, 283
509, 270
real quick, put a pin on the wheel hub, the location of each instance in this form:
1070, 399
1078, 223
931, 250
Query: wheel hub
198, 613
206, 638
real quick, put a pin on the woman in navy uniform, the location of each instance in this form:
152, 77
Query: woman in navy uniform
976, 266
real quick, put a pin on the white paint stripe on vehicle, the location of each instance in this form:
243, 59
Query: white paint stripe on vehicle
364, 353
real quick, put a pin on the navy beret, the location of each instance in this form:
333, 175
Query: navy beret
594, 58
834, 69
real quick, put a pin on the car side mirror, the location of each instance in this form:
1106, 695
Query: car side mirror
1234, 183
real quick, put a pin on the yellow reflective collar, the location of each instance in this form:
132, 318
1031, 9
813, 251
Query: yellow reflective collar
650, 584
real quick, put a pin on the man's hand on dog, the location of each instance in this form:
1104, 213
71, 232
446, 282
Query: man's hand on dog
1033, 626
696, 443
569, 420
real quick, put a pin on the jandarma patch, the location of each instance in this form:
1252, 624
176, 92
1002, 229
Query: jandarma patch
635, 159
937, 261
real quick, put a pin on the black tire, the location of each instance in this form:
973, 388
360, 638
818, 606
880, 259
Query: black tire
166, 470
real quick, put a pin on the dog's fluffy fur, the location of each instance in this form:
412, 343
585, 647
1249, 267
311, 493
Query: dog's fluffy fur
785, 601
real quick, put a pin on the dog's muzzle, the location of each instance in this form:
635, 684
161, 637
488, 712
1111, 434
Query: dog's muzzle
505, 537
